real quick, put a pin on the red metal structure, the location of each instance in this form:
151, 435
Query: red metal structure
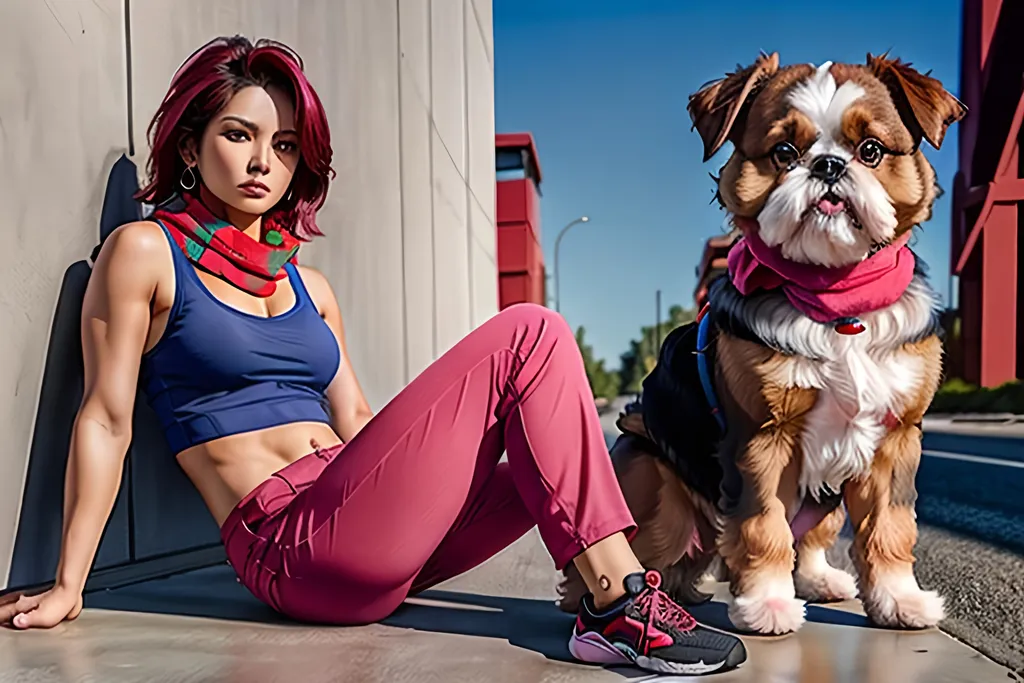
987, 194
712, 264
521, 274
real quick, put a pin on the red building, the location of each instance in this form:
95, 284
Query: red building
987, 195
521, 274
713, 262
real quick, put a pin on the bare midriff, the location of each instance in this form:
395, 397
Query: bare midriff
227, 469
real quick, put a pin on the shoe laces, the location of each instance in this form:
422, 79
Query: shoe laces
659, 609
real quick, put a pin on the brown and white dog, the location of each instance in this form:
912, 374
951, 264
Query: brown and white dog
826, 174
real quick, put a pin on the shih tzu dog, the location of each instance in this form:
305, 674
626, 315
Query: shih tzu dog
801, 388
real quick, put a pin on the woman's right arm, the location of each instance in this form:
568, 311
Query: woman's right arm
115, 325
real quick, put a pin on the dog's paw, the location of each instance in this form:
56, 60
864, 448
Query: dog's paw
768, 609
824, 584
900, 603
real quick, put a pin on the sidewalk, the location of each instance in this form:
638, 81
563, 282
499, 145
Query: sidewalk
497, 623
991, 425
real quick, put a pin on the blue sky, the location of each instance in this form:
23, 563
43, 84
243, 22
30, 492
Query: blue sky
603, 86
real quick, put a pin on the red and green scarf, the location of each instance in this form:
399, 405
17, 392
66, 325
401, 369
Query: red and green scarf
223, 250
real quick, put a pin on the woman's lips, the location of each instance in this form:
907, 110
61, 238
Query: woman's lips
253, 189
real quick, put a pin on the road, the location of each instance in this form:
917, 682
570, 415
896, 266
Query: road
971, 536
971, 483
972, 515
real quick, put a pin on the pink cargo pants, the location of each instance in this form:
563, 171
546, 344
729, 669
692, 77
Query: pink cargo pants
344, 535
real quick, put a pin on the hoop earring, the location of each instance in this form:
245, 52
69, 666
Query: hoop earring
192, 175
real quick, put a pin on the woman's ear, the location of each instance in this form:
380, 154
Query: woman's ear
188, 151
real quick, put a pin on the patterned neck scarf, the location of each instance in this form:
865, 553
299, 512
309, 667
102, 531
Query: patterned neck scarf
223, 250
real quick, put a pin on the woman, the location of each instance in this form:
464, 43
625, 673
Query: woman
328, 513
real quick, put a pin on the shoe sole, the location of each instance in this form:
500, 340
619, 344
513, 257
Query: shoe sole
593, 648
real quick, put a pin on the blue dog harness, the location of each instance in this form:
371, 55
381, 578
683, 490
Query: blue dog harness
703, 323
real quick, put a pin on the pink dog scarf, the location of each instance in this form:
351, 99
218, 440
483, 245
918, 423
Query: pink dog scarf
824, 294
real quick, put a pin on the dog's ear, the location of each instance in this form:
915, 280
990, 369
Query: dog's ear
926, 108
715, 108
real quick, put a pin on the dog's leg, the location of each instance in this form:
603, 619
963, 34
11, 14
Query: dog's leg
881, 506
816, 580
757, 544
682, 580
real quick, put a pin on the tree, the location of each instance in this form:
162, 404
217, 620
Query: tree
603, 383
642, 355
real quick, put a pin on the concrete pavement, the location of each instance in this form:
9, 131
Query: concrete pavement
499, 623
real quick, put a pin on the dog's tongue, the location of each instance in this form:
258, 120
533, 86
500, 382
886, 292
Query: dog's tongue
830, 207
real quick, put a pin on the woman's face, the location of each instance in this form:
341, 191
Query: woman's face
249, 150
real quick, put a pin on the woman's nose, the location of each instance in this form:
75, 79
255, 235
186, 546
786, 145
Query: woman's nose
260, 162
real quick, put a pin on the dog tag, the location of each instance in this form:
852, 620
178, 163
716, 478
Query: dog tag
849, 326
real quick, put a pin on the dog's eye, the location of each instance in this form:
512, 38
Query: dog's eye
784, 156
870, 152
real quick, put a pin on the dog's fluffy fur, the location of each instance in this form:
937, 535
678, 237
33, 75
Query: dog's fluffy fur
808, 410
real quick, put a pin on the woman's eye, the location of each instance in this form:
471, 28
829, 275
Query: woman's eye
784, 156
286, 147
236, 136
870, 152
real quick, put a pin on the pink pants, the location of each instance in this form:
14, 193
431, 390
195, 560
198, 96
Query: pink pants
344, 535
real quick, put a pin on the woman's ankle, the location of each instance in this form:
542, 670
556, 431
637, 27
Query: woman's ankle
606, 598
604, 567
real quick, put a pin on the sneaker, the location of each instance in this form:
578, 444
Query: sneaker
646, 628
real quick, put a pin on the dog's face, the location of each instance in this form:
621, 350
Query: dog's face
826, 159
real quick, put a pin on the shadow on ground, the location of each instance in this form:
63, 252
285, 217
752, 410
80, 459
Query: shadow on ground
213, 593
531, 624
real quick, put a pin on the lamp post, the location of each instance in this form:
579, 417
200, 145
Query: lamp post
657, 323
558, 241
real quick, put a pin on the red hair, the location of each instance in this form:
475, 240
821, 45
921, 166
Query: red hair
204, 84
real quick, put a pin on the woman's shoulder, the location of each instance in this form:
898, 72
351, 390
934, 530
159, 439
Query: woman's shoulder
311, 277
136, 240
135, 254
319, 289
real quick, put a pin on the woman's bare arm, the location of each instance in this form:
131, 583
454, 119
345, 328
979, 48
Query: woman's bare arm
115, 325
349, 408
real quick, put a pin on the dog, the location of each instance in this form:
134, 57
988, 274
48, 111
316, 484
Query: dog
797, 396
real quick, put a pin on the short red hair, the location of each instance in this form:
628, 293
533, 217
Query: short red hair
204, 84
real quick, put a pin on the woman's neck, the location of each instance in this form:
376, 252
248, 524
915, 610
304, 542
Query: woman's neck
250, 224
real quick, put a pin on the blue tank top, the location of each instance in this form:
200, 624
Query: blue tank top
218, 371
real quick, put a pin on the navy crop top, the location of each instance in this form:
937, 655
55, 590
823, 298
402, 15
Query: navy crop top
218, 371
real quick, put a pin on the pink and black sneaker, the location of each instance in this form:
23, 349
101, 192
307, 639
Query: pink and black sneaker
646, 628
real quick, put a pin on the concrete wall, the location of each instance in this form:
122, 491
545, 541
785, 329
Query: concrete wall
410, 246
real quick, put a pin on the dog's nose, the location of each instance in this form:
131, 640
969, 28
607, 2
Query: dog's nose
828, 168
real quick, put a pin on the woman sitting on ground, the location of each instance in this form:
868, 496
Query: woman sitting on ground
331, 514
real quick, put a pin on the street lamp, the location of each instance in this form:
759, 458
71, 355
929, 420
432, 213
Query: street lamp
558, 241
